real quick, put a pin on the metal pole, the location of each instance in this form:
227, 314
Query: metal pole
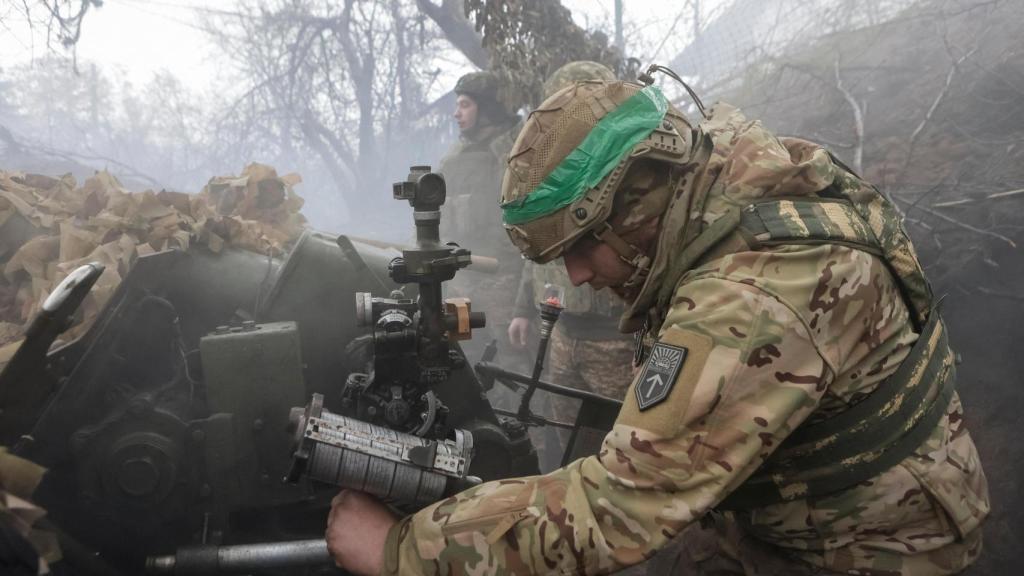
549, 313
241, 558
696, 19
497, 372
619, 41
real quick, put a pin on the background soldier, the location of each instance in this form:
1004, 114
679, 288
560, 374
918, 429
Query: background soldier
795, 412
472, 171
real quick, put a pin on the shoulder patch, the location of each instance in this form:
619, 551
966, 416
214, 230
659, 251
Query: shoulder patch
659, 374
664, 411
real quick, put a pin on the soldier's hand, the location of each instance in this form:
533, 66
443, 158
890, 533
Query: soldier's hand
518, 330
357, 529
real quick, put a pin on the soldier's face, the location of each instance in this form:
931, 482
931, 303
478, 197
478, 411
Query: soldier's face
595, 263
465, 112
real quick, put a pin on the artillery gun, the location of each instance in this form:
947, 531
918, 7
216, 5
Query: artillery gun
167, 428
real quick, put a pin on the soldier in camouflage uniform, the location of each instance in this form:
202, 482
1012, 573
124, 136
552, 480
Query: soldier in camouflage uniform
473, 166
795, 411
471, 218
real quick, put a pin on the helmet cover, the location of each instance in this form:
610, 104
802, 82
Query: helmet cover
578, 71
572, 154
478, 85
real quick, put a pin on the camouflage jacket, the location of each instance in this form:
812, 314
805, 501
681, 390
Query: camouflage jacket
775, 338
472, 219
472, 171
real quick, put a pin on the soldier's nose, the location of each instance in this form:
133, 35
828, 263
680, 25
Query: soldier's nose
577, 268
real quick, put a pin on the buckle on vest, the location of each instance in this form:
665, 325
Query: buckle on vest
639, 350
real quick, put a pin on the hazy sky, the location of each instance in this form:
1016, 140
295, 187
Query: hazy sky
133, 37
137, 38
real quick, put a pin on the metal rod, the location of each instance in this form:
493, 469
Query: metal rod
538, 368
619, 42
502, 374
534, 419
572, 440
550, 310
241, 558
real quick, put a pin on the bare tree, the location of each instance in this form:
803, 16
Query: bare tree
154, 134
451, 19
59, 21
340, 81
943, 137
65, 21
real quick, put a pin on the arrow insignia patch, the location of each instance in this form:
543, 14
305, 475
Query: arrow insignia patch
659, 374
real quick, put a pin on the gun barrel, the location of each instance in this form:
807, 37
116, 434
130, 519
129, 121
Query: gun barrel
483, 264
240, 558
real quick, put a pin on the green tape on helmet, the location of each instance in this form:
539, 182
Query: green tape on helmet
608, 142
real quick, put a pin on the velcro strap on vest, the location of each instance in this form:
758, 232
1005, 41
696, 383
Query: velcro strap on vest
807, 220
865, 440
773, 222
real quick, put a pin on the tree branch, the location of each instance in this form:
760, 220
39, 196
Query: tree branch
998, 294
457, 29
858, 121
960, 224
966, 201
954, 67
130, 170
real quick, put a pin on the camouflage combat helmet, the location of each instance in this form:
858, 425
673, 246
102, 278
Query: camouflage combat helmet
478, 85
578, 71
482, 87
571, 157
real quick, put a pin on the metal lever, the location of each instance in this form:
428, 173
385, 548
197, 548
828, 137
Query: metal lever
550, 310
21, 396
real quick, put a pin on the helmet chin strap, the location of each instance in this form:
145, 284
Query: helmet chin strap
628, 253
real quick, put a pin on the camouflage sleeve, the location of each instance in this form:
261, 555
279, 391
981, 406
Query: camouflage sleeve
524, 307
751, 374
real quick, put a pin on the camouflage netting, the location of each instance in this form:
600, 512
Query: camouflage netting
56, 226
529, 39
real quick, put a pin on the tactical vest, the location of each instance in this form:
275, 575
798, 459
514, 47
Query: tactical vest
582, 300
898, 416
